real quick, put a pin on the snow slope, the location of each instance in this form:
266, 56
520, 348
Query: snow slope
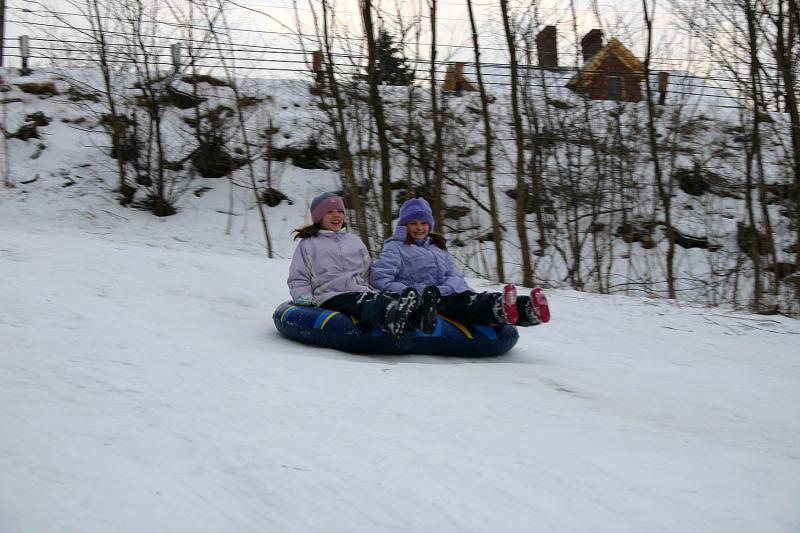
144, 388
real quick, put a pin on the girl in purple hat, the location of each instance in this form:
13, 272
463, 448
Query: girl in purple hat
414, 257
330, 266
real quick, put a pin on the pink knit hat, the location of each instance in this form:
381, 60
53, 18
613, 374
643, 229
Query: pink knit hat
323, 203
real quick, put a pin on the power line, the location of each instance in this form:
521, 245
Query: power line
166, 64
566, 10
120, 59
292, 33
256, 47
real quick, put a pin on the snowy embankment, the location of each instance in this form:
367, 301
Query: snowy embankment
144, 388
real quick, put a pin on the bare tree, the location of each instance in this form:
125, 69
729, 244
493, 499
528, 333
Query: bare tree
754, 43
663, 189
522, 186
376, 106
152, 83
117, 123
436, 188
785, 23
226, 53
336, 115
497, 235
99, 15
6, 169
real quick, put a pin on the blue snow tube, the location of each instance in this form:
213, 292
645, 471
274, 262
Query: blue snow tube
332, 329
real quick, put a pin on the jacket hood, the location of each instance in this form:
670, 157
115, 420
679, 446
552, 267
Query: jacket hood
400, 234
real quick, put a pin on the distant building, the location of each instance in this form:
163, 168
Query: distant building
546, 48
609, 72
455, 81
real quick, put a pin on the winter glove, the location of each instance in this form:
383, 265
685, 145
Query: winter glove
304, 299
445, 290
419, 287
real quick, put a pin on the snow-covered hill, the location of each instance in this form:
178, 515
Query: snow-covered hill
601, 226
144, 388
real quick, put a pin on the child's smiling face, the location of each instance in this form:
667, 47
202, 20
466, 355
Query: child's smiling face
418, 229
333, 220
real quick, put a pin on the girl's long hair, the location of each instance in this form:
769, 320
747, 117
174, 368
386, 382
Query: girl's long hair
312, 230
436, 239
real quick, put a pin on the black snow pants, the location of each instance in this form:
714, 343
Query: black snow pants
366, 307
478, 308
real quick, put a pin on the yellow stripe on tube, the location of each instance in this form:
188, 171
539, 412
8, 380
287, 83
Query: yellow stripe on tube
322, 326
460, 326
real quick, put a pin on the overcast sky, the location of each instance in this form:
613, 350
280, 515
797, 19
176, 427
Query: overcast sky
273, 23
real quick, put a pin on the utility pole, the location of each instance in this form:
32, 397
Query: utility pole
24, 54
2, 29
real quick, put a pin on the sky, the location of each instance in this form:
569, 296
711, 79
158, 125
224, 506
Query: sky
273, 24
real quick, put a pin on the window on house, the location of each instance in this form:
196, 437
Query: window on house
614, 87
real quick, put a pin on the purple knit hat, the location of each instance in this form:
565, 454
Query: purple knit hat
323, 203
415, 209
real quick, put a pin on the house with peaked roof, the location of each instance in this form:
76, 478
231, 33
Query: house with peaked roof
609, 72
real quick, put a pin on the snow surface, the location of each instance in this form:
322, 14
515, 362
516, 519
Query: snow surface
145, 388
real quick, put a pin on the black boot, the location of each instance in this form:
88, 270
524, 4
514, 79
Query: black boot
527, 316
428, 309
400, 312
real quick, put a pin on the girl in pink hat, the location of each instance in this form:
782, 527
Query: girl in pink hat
330, 267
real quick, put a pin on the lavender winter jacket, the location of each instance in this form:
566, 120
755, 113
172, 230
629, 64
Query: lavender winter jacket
415, 265
327, 265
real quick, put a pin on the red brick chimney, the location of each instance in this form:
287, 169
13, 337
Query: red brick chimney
591, 43
546, 48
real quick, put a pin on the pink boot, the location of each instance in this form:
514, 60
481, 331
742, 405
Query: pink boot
539, 303
510, 304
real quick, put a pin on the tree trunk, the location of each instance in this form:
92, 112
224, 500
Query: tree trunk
245, 141
522, 189
117, 126
340, 133
436, 188
497, 235
786, 41
664, 192
376, 105
754, 154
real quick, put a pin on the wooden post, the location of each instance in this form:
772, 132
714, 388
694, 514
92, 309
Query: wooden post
663, 82
318, 67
